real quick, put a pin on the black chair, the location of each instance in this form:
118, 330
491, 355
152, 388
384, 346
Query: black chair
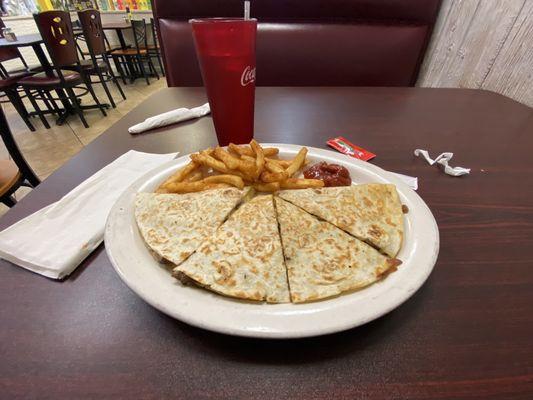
138, 55
16, 172
153, 49
93, 33
107, 46
55, 28
78, 37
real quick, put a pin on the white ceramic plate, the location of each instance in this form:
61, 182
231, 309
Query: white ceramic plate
207, 310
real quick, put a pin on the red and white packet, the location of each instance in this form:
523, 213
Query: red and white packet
344, 146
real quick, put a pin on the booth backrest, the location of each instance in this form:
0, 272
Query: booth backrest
310, 42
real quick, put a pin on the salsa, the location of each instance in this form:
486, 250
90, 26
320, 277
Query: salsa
331, 174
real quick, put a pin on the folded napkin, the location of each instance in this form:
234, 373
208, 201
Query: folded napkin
170, 117
55, 240
443, 159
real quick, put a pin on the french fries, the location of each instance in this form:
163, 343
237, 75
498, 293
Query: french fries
268, 177
297, 163
233, 148
237, 166
230, 160
248, 151
270, 151
281, 163
267, 187
259, 158
178, 176
248, 158
217, 165
232, 180
273, 167
295, 183
194, 176
189, 187
235, 163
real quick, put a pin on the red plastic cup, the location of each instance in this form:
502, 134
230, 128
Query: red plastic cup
226, 51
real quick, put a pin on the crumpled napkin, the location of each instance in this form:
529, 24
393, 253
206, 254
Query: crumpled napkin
170, 117
56, 239
443, 159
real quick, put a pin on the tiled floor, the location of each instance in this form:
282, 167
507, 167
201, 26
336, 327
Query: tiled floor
48, 149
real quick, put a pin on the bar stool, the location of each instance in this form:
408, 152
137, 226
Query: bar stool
153, 49
56, 30
139, 53
91, 26
16, 172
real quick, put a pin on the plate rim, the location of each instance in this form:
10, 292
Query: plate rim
200, 322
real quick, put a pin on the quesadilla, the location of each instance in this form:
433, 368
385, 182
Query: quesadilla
243, 258
173, 226
323, 260
370, 212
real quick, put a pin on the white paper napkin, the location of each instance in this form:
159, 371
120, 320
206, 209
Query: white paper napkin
411, 181
170, 117
55, 240
443, 160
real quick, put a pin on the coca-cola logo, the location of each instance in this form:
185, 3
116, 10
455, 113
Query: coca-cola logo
248, 76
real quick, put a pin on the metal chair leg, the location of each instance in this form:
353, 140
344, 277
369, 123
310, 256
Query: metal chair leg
89, 85
130, 65
106, 89
160, 63
141, 66
117, 84
113, 77
53, 102
15, 99
9, 201
152, 67
120, 71
44, 98
36, 108
76, 106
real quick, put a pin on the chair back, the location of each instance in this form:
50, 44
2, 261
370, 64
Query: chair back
139, 33
154, 33
14, 151
310, 42
91, 25
55, 28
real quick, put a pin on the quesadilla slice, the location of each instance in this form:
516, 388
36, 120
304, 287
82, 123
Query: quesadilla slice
370, 212
243, 258
323, 260
174, 225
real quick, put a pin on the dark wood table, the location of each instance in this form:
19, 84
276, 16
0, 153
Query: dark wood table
118, 27
34, 41
466, 334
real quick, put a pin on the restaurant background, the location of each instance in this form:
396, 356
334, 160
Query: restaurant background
479, 44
